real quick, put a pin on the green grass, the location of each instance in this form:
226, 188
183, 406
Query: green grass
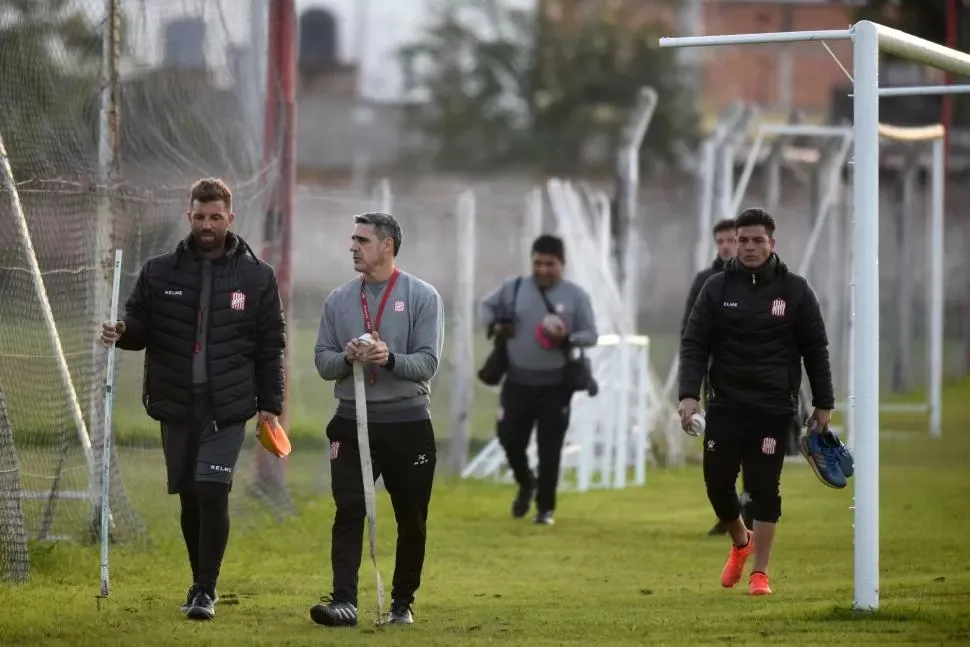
630, 567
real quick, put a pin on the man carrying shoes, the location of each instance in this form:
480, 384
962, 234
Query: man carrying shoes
754, 322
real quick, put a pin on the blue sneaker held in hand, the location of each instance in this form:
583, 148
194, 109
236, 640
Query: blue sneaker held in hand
846, 462
825, 453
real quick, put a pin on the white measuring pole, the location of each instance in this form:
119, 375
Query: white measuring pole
367, 473
109, 396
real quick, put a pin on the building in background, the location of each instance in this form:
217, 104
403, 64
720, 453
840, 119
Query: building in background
801, 81
341, 134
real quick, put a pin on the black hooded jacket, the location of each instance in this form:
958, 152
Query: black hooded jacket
245, 340
750, 331
699, 280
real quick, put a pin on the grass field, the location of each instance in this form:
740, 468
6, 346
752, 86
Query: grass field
626, 567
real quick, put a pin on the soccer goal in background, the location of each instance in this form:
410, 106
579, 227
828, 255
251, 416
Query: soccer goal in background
869, 40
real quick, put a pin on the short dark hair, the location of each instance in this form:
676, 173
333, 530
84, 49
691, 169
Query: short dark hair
549, 244
756, 217
210, 189
385, 226
728, 224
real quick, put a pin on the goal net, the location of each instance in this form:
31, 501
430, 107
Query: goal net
91, 166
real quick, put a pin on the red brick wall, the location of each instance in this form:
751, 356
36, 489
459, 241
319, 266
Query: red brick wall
751, 72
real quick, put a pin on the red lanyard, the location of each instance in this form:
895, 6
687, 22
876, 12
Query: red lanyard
365, 310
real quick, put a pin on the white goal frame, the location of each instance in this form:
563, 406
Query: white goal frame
869, 39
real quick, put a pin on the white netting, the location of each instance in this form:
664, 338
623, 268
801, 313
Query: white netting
187, 104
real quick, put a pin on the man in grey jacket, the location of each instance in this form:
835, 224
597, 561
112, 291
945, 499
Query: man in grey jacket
405, 317
542, 317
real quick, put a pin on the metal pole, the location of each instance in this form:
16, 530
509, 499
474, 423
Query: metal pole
108, 124
924, 90
827, 195
905, 212
913, 48
865, 283
708, 168
280, 143
629, 164
937, 279
757, 39
463, 378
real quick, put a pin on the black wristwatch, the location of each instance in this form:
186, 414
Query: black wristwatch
390, 362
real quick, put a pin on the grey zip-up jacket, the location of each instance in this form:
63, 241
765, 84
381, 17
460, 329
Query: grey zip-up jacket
412, 326
529, 362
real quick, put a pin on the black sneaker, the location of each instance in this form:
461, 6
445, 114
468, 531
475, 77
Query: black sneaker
717, 529
191, 594
520, 506
334, 614
545, 518
745, 500
400, 613
203, 605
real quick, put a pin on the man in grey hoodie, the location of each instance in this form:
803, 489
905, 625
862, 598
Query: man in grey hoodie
533, 391
405, 317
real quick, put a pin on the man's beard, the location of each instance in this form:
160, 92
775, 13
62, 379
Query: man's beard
214, 241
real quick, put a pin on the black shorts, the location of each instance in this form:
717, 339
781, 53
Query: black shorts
198, 449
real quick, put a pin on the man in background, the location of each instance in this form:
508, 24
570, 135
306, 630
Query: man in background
405, 317
726, 242
210, 321
542, 317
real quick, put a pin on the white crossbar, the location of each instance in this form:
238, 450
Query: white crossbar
805, 130
757, 39
899, 43
917, 90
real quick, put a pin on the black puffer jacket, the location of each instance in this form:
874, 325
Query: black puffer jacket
245, 339
755, 327
699, 280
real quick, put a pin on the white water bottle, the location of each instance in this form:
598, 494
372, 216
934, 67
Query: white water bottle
697, 425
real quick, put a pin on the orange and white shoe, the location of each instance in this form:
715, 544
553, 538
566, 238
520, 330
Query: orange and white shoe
758, 584
734, 567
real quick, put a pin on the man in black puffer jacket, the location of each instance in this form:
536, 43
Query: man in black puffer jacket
749, 331
210, 321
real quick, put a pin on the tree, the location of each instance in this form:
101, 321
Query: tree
507, 87
47, 48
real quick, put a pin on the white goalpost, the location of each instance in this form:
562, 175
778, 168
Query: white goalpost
869, 40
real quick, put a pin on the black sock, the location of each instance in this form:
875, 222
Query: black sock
214, 531
190, 529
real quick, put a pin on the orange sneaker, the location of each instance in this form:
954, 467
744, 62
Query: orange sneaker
758, 584
734, 567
